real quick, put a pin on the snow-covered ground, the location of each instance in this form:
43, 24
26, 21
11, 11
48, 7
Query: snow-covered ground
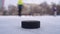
12, 25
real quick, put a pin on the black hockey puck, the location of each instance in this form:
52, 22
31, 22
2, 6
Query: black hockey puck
30, 24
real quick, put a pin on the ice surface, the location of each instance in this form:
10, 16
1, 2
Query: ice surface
12, 25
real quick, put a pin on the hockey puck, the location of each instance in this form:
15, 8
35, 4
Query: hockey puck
30, 24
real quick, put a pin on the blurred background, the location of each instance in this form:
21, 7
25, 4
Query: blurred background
30, 7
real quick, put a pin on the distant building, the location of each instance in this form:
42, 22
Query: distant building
1, 7
1, 3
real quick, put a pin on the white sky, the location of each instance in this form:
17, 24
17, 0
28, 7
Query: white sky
14, 2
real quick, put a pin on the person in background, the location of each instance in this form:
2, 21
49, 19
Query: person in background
54, 10
20, 5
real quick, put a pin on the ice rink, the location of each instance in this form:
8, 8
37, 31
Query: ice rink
12, 25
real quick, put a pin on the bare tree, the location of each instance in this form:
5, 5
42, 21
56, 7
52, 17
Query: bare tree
12, 9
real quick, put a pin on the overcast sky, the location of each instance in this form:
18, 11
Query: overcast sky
14, 2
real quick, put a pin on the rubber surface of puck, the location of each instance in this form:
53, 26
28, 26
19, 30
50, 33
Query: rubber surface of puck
30, 24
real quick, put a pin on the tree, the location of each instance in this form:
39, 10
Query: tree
45, 8
12, 9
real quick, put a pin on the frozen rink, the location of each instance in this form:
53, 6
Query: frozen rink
12, 25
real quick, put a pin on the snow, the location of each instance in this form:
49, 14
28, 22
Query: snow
12, 25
